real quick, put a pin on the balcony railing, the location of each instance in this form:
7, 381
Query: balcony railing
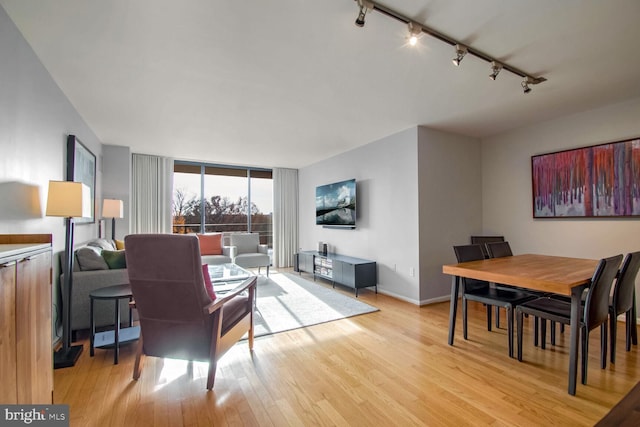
265, 230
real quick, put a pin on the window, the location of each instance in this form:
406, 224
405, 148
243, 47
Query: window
211, 198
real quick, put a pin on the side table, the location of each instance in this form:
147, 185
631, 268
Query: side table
117, 336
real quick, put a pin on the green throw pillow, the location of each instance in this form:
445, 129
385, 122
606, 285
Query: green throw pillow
115, 259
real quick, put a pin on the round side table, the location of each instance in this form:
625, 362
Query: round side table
112, 338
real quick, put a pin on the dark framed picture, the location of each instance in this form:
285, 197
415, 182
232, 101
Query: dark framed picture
600, 181
81, 167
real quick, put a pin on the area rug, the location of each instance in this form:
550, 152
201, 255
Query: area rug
287, 301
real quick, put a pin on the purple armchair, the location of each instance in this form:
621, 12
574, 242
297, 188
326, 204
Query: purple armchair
178, 319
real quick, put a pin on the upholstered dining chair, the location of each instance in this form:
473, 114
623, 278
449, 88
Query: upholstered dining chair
483, 292
623, 301
595, 311
179, 317
483, 240
503, 249
496, 249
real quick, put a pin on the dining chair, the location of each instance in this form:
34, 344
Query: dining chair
179, 317
594, 312
483, 240
483, 292
497, 250
623, 301
503, 249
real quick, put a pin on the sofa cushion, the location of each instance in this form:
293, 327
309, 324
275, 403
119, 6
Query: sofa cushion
89, 258
119, 244
210, 244
102, 244
115, 259
207, 282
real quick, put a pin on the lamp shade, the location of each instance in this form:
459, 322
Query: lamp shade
68, 199
112, 208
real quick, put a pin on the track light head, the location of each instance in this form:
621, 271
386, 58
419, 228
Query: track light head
496, 67
525, 84
415, 31
461, 51
365, 6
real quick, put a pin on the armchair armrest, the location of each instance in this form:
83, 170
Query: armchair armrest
263, 249
249, 284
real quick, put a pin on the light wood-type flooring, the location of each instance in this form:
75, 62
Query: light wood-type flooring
388, 368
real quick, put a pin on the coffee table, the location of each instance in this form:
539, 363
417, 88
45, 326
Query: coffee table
225, 277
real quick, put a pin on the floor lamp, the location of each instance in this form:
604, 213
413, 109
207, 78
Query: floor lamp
67, 199
112, 208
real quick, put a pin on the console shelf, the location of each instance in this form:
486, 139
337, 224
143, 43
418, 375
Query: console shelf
344, 270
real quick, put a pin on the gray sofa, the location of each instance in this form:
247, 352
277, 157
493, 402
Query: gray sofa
228, 253
89, 274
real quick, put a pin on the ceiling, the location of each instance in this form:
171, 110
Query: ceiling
288, 83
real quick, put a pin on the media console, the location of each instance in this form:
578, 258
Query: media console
353, 272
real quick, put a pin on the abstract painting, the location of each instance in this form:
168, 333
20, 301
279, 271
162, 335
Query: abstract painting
81, 167
597, 181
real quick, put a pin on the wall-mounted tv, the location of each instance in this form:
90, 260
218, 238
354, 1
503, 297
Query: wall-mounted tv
336, 204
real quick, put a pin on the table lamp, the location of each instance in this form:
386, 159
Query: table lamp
112, 208
68, 199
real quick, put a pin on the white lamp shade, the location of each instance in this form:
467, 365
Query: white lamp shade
112, 208
68, 199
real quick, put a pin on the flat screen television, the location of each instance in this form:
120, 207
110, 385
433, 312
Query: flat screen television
336, 204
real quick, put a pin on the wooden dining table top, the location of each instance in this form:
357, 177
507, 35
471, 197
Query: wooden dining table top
546, 273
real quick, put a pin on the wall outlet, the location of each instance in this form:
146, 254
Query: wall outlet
412, 272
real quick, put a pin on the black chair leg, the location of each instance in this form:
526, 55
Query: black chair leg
603, 345
543, 333
510, 329
613, 325
464, 318
629, 322
585, 353
553, 333
497, 316
536, 330
520, 327
489, 318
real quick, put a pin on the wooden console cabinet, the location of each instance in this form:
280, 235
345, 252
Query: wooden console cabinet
26, 354
353, 272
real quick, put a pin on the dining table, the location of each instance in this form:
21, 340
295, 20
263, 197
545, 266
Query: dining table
543, 273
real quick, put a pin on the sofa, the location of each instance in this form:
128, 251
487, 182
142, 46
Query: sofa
98, 263
213, 251
91, 271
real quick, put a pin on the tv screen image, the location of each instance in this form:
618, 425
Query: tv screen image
336, 204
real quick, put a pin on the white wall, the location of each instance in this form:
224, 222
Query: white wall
35, 119
387, 209
450, 208
116, 178
506, 186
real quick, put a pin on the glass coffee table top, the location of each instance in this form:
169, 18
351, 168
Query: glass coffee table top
225, 277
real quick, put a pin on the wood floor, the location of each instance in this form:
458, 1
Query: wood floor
388, 368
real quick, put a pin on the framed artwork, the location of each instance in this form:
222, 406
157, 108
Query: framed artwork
595, 182
81, 167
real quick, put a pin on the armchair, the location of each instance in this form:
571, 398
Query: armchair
249, 253
178, 318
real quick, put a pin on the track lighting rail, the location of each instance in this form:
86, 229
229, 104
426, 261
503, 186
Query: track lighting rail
370, 5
